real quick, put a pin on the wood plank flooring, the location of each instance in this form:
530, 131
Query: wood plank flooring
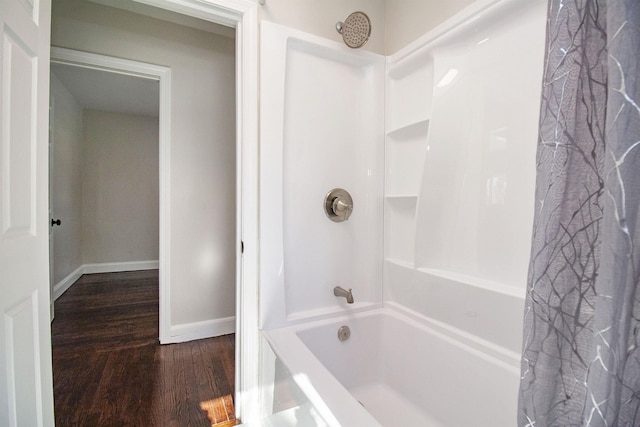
110, 370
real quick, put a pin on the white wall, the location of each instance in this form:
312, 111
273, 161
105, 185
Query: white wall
66, 182
319, 17
120, 187
202, 143
406, 20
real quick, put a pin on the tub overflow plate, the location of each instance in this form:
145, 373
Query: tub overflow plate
344, 333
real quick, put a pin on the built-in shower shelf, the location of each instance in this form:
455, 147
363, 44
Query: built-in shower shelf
401, 196
400, 213
410, 131
405, 150
409, 91
400, 262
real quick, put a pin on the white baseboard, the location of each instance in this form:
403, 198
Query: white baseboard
112, 267
178, 333
107, 267
62, 286
201, 330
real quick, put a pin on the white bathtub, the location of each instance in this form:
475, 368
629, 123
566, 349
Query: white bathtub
396, 371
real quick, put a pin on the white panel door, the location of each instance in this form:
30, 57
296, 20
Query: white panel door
26, 386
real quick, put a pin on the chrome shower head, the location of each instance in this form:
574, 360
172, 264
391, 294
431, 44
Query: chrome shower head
355, 30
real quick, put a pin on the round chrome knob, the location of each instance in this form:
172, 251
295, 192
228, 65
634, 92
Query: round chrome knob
338, 205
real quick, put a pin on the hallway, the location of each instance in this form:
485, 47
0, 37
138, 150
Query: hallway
110, 370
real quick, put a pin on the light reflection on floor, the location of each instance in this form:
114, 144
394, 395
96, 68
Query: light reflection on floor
220, 411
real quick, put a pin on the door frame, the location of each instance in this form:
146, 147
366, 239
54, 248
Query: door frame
162, 75
243, 16
51, 146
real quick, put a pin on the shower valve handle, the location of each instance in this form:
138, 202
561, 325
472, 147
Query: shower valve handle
338, 205
342, 209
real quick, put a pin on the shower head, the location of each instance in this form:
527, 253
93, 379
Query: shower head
355, 30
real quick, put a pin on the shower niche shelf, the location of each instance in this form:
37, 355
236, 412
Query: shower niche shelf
409, 130
399, 230
401, 196
405, 149
410, 94
401, 263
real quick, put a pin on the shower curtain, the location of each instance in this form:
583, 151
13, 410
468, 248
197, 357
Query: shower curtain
581, 354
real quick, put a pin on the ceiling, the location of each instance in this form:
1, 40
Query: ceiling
106, 91
168, 16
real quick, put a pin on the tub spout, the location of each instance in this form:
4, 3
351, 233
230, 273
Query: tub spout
340, 292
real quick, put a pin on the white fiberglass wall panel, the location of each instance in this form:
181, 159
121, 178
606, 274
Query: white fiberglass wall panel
475, 207
460, 169
329, 142
322, 128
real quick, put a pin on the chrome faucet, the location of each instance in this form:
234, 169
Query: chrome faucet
341, 292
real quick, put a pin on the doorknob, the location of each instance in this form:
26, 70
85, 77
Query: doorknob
55, 222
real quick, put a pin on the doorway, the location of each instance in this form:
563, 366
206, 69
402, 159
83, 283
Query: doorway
105, 86
180, 326
198, 154
239, 14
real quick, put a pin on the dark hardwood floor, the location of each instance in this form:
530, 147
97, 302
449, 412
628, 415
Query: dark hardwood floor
110, 370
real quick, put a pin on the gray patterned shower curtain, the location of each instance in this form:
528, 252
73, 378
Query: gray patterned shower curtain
581, 353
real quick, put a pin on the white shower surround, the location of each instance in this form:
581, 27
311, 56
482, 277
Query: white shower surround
461, 112
322, 127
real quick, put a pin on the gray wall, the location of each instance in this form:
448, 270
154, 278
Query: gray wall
320, 17
395, 23
407, 20
120, 187
66, 182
